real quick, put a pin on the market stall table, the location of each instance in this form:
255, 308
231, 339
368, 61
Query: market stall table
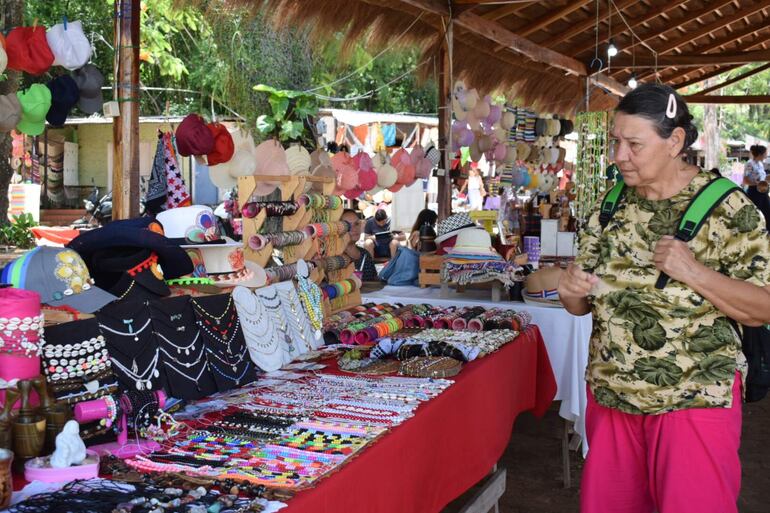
566, 339
451, 443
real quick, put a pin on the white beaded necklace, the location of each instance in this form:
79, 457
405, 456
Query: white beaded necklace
259, 330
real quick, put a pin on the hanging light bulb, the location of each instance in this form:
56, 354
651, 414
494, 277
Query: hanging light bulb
612, 50
632, 83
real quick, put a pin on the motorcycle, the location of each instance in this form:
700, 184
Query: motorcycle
98, 210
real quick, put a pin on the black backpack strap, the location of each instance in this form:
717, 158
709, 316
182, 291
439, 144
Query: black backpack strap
709, 197
611, 202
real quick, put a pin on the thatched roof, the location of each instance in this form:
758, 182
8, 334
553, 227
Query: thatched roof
540, 52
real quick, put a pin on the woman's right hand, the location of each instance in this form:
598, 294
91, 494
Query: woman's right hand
576, 283
574, 286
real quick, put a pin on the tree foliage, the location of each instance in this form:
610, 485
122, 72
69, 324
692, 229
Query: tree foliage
215, 53
399, 66
737, 121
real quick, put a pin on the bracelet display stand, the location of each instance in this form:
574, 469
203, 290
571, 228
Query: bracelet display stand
291, 187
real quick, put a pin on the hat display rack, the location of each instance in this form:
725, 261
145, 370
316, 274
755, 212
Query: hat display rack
34, 50
521, 143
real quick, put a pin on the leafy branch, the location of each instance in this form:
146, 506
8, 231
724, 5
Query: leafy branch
290, 116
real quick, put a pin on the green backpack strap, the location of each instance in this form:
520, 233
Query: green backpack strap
709, 197
611, 202
701, 206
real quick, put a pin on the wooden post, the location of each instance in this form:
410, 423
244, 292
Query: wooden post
125, 128
445, 123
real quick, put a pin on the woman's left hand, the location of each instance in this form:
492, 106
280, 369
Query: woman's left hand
674, 258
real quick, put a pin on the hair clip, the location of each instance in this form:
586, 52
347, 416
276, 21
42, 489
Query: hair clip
671, 107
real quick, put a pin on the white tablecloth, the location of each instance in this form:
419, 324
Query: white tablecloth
566, 338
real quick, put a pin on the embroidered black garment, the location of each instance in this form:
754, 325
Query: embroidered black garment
133, 348
182, 350
222, 335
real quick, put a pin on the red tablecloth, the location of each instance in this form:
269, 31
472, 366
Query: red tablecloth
450, 444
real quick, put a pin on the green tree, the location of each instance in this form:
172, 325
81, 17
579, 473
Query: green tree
11, 13
393, 78
737, 121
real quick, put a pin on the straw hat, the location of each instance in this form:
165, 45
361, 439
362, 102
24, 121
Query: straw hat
523, 150
474, 241
271, 161
386, 176
242, 163
298, 160
542, 287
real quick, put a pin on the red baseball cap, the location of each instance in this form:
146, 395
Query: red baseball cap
28, 50
223, 144
193, 137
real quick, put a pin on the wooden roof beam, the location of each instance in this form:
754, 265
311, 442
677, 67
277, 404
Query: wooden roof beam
695, 60
506, 10
700, 78
580, 27
742, 48
649, 15
495, 32
734, 36
711, 27
431, 6
735, 79
552, 16
755, 99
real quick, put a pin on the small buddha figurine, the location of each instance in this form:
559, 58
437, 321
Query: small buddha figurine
70, 449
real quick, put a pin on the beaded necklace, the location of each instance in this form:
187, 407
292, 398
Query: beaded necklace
140, 379
310, 295
225, 346
262, 336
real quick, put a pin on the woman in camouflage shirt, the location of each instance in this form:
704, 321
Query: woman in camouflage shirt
665, 365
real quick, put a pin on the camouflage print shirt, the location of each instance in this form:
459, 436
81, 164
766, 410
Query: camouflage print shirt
651, 350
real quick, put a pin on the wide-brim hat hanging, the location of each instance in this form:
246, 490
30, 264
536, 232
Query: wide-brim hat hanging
523, 150
540, 127
271, 161
242, 163
298, 160
346, 172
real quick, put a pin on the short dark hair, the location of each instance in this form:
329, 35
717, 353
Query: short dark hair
380, 215
757, 150
351, 211
650, 101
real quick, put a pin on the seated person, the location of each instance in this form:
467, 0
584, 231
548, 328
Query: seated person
362, 260
426, 216
379, 241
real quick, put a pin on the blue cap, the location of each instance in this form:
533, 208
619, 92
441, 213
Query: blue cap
64, 96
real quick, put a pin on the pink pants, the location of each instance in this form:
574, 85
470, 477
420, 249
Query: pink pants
680, 462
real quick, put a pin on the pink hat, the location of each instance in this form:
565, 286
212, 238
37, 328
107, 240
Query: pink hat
271, 161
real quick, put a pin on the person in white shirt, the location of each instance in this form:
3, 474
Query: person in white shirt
754, 172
